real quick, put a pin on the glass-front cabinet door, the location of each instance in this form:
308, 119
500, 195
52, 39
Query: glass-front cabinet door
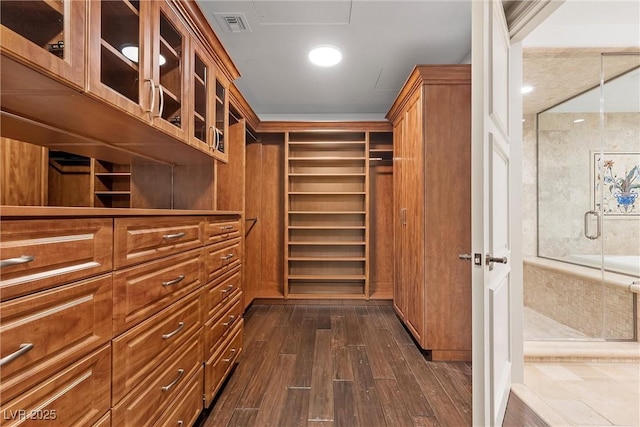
169, 72
118, 45
48, 35
220, 143
202, 76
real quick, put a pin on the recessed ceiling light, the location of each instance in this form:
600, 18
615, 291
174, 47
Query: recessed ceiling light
526, 89
131, 52
578, 121
325, 56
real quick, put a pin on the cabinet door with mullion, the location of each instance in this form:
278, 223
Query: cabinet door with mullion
170, 70
46, 35
202, 114
119, 48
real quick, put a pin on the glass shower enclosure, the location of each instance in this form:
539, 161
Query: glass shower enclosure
588, 158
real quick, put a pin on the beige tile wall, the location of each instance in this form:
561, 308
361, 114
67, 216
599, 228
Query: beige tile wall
577, 301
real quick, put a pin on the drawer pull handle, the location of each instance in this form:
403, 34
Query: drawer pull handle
226, 257
233, 351
178, 279
168, 386
227, 227
180, 423
16, 261
172, 333
13, 356
227, 289
174, 236
231, 320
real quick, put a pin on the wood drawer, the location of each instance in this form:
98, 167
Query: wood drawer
219, 365
222, 257
220, 291
219, 327
76, 396
62, 324
141, 291
104, 421
186, 408
144, 239
139, 351
63, 250
221, 229
150, 398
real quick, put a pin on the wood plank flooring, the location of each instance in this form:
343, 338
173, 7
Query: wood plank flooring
341, 366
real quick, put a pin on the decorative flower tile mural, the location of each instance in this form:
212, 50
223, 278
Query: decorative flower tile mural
616, 182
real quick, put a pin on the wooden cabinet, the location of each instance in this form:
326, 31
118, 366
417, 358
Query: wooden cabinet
49, 329
209, 104
139, 351
432, 214
144, 239
46, 35
118, 31
137, 61
44, 253
134, 341
77, 395
326, 215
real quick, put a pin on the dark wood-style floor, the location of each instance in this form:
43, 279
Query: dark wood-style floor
342, 366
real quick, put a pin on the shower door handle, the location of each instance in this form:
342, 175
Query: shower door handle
587, 214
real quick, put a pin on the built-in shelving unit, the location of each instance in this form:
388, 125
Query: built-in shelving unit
326, 221
111, 184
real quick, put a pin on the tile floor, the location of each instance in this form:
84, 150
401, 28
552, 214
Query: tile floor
581, 383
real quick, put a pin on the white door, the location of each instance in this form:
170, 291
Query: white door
491, 216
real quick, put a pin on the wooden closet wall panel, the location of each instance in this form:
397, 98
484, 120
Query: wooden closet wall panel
23, 168
271, 218
253, 229
231, 176
450, 162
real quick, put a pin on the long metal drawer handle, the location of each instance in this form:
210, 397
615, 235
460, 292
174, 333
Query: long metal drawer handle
227, 227
174, 236
172, 333
178, 279
16, 261
13, 356
233, 351
227, 289
231, 320
168, 386
226, 257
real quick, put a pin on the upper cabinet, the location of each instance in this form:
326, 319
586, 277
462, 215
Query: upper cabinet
47, 35
137, 61
153, 76
210, 104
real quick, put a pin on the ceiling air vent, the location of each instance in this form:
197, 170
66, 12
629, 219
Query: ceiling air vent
233, 22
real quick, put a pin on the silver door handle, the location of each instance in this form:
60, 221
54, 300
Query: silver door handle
174, 236
168, 386
25, 347
16, 261
178, 279
501, 260
598, 225
172, 333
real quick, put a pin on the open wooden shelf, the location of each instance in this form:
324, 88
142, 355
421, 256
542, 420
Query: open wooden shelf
326, 217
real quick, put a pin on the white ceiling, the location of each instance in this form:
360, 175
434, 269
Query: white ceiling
381, 42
